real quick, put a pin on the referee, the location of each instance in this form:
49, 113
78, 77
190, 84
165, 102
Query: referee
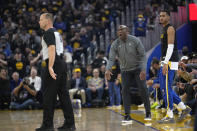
54, 77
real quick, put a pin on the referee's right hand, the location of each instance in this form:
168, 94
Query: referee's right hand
52, 73
108, 75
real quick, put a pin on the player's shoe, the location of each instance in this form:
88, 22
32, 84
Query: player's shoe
166, 120
184, 114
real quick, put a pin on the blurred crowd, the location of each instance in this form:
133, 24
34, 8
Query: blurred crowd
147, 18
80, 23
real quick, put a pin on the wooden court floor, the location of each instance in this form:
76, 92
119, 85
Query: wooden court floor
91, 119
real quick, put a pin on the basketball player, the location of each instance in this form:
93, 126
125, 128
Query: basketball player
169, 60
54, 77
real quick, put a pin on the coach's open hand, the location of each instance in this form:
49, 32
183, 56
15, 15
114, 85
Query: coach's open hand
142, 75
52, 73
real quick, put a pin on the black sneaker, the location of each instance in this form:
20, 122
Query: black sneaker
184, 113
45, 128
166, 120
148, 117
67, 127
127, 119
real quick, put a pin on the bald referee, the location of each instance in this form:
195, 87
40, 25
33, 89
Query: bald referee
131, 55
54, 77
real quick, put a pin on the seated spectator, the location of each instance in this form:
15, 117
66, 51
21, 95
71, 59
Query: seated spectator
153, 71
102, 71
78, 85
100, 60
24, 36
35, 41
140, 26
192, 62
185, 51
153, 83
15, 81
34, 79
88, 73
23, 96
95, 85
84, 38
187, 93
18, 64
4, 89
77, 46
68, 52
60, 24
3, 62
5, 46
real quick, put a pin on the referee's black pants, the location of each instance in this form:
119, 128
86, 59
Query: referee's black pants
128, 77
52, 88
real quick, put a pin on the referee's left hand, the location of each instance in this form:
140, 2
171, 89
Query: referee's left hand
52, 73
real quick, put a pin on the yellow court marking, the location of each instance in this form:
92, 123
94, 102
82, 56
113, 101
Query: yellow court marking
138, 115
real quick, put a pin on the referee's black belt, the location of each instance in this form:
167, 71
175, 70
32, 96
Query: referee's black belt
60, 56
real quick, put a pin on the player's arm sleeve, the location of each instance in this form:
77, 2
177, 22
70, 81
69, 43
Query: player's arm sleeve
142, 55
171, 37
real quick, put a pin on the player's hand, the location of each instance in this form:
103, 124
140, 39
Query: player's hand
164, 70
149, 82
108, 75
142, 75
156, 86
52, 73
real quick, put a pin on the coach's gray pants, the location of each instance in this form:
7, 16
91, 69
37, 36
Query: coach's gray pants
128, 77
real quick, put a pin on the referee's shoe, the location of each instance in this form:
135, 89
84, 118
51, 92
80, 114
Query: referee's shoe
67, 127
45, 128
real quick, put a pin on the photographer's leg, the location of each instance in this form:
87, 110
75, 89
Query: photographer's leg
26, 104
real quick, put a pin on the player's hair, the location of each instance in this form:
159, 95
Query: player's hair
166, 10
155, 61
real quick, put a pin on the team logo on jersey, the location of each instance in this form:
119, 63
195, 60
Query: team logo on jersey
88, 78
76, 45
113, 67
19, 65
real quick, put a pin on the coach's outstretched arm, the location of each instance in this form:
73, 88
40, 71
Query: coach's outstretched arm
142, 59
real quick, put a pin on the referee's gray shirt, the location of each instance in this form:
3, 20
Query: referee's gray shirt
131, 54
